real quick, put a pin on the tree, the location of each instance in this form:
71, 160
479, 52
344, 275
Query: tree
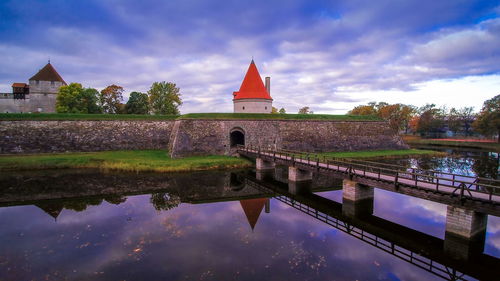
398, 115
462, 118
488, 120
73, 98
164, 98
67, 96
305, 110
431, 120
274, 110
111, 98
138, 103
282, 111
89, 101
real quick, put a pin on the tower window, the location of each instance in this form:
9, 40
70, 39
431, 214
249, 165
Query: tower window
243, 108
266, 107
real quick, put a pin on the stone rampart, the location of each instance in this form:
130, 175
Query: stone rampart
63, 136
190, 137
201, 137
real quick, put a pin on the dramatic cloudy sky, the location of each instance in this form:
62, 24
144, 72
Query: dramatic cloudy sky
329, 55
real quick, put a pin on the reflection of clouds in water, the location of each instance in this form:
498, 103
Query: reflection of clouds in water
493, 236
422, 215
212, 241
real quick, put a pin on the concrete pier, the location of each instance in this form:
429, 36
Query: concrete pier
296, 174
357, 199
266, 174
465, 232
300, 187
261, 164
354, 191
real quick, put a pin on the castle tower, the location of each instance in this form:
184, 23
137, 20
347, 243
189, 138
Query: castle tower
43, 89
253, 96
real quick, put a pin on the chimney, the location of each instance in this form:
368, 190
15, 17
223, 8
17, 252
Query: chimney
268, 85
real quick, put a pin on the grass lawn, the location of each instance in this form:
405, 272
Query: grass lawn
134, 160
67, 116
491, 146
370, 154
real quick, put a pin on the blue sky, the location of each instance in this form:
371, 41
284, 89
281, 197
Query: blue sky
329, 55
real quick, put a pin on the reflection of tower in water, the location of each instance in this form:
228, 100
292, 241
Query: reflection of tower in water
253, 208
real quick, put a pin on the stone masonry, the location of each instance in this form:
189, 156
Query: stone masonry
190, 137
202, 137
66, 136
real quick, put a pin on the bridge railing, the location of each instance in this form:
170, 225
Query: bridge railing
459, 185
471, 179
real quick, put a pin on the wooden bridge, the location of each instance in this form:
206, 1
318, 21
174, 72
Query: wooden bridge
422, 250
476, 193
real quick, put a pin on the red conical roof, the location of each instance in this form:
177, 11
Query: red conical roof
252, 209
252, 86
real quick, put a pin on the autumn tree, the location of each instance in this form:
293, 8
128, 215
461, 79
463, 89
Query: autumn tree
364, 110
73, 98
274, 110
305, 110
111, 98
138, 103
431, 120
398, 115
488, 120
164, 98
282, 111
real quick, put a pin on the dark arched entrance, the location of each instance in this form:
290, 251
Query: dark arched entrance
237, 137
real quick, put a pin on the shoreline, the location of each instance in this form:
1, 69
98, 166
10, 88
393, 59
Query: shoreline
159, 161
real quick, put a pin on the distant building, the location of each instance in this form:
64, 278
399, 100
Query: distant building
253, 96
38, 96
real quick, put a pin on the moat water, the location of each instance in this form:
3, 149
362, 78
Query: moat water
222, 226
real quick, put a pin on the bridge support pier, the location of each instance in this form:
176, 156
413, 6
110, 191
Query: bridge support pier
264, 174
296, 174
261, 164
300, 187
465, 232
357, 199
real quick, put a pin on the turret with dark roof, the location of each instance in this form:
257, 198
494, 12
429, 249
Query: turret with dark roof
48, 73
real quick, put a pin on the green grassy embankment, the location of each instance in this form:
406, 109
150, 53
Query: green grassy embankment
325, 117
135, 160
491, 146
218, 116
373, 154
71, 116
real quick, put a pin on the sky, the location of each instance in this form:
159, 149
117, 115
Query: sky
328, 55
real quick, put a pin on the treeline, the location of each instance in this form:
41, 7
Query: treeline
431, 121
162, 98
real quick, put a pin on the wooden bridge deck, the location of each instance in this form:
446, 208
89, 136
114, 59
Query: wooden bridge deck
474, 191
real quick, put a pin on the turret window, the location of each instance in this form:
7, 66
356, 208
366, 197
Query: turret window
243, 108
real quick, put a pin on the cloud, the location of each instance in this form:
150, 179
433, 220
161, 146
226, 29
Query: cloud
330, 56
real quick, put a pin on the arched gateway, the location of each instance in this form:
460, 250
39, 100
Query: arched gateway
237, 137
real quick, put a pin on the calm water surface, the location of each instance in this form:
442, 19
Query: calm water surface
199, 226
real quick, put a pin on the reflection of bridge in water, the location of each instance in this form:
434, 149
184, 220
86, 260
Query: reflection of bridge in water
450, 259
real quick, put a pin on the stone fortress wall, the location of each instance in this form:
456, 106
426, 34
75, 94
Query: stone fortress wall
189, 137
69, 136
